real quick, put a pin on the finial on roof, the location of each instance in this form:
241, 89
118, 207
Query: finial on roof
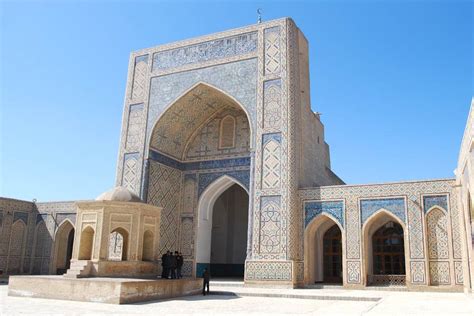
259, 14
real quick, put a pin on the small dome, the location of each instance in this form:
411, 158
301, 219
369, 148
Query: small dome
119, 193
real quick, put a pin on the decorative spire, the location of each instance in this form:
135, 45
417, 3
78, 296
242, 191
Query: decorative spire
259, 15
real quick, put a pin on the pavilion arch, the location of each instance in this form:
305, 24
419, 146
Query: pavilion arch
205, 211
313, 247
118, 244
86, 243
376, 221
172, 131
63, 246
148, 252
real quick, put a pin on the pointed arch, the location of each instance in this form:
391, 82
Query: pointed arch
373, 223
63, 244
205, 208
118, 244
86, 244
313, 247
16, 246
41, 249
180, 119
148, 253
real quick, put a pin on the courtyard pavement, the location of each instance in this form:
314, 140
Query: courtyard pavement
257, 301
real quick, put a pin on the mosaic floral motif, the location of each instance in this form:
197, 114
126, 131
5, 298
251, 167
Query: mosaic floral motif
396, 206
437, 200
215, 49
333, 208
271, 167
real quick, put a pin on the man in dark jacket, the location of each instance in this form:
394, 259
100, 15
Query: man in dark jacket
206, 278
163, 265
168, 263
173, 265
179, 263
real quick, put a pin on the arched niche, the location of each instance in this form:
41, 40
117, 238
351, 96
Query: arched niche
63, 246
314, 247
148, 246
376, 224
86, 243
202, 109
118, 244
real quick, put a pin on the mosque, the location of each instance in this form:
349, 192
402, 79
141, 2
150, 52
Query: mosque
218, 132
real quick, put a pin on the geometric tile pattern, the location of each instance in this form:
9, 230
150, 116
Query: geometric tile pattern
130, 172
271, 163
165, 191
205, 179
268, 270
439, 272
353, 272
271, 103
437, 200
270, 224
437, 231
417, 269
139, 77
205, 143
333, 208
395, 206
458, 273
204, 51
134, 129
272, 50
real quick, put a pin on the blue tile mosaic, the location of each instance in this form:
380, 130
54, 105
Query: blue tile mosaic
41, 218
205, 179
237, 79
20, 215
314, 208
438, 200
199, 165
215, 49
395, 205
60, 217
272, 136
143, 58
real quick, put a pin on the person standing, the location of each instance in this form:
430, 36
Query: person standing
206, 278
173, 265
167, 266
179, 264
163, 265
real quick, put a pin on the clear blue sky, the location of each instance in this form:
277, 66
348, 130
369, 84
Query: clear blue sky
393, 80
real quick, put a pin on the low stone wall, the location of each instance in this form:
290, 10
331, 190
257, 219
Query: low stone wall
102, 290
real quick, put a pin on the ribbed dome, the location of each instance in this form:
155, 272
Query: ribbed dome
119, 193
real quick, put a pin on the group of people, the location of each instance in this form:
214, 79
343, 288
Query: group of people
172, 265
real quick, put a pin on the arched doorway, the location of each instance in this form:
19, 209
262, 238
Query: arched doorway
332, 253
229, 233
86, 243
384, 239
222, 229
323, 251
388, 251
64, 241
118, 245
